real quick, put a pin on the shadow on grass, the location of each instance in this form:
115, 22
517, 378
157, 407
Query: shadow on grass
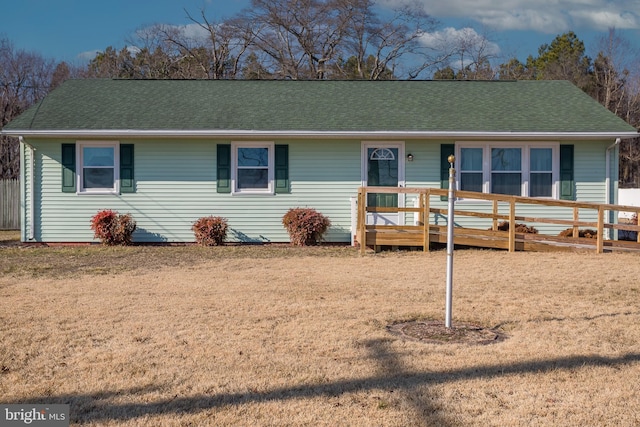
393, 376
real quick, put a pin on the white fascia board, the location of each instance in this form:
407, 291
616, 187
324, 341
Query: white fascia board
125, 133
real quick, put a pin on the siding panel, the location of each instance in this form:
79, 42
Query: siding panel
176, 184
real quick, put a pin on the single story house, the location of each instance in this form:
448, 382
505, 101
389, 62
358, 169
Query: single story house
171, 151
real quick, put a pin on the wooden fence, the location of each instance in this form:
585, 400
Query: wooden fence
501, 208
9, 204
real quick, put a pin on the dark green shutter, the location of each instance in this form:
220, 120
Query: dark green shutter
223, 173
446, 150
68, 168
282, 168
127, 183
567, 183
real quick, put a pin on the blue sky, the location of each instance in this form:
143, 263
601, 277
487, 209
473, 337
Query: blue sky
70, 29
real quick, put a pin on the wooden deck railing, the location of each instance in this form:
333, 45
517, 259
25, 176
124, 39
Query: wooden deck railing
426, 230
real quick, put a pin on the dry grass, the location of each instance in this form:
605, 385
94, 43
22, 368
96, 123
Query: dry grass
297, 336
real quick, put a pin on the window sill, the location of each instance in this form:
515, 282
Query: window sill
98, 193
253, 193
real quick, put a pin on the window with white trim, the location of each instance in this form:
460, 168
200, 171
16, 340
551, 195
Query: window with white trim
252, 168
98, 170
519, 169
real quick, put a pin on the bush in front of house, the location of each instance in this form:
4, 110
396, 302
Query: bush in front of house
210, 230
113, 228
305, 226
588, 233
520, 228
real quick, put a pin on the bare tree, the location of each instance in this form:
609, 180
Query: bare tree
474, 52
25, 78
616, 85
613, 66
301, 38
112, 63
394, 45
629, 176
216, 48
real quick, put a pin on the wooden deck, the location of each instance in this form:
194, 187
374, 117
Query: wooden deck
424, 230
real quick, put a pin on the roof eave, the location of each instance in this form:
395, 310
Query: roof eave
137, 133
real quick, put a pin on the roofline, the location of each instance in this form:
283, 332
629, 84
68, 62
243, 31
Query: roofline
127, 133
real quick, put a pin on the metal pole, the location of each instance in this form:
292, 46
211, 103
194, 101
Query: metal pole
450, 224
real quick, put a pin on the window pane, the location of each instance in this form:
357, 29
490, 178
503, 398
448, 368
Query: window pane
471, 159
506, 159
98, 156
253, 157
506, 183
383, 173
540, 185
253, 178
97, 178
471, 181
541, 159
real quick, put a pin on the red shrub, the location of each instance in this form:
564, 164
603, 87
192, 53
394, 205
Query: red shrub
588, 233
520, 228
210, 230
305, 226
112, 228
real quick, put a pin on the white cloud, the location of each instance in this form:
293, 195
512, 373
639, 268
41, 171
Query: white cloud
467, 44
193, 31
464, 36
88, 55
545, 16
602, 20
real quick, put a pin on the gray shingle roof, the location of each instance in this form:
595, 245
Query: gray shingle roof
319, 106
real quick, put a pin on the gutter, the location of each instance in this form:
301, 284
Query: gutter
212, 133
608, 180
32, 209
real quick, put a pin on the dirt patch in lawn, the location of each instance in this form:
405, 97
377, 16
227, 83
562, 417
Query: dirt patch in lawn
435, 332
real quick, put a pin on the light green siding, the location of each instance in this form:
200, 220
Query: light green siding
589, 174
176, 184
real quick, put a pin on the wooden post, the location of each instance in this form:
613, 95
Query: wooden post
638, 222
494, 226
425, 221
576, 232
512, 225
362, 220
600, 242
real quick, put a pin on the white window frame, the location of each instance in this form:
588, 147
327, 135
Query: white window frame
80, 145
270, 146
525, 162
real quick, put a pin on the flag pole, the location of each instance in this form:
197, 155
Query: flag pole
450, 225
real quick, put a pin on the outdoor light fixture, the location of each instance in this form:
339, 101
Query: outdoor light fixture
410, 157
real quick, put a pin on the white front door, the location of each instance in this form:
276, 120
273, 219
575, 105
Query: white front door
383, 166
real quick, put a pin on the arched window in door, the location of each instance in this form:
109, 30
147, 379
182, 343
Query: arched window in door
382, 154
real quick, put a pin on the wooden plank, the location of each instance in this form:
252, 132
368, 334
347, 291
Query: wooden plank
600, 230
379, 209
362, 221
512, 226
424, 201
556, 221
423, 233
469, 213
626, 227
494, 224
380, 227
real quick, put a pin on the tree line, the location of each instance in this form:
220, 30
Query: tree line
328, 39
